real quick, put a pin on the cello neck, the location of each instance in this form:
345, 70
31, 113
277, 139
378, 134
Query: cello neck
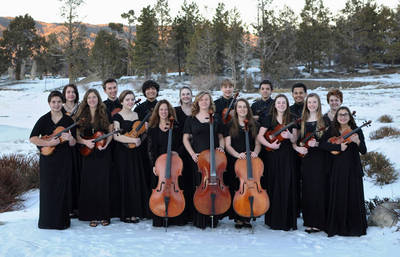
248, 152
169, 147
213, 173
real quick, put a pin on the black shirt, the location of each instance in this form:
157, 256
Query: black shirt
145, 107
238, 142
262, 108
222, 103
297, 109
158, 142
111, 105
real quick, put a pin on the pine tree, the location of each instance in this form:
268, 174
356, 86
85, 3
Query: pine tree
20, 41
164, 23
108, 55
220, 32
131, 18
146, 43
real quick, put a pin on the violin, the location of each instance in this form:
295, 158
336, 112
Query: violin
167, 199
251, 200
345, 136
138, 129
117, 110
212, 197
226, 116
275, 134
48, 150
307, 138
100, 140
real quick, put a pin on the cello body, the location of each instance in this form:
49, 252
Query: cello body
212, 187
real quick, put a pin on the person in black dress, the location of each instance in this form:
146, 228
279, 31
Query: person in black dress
280, 168
346, 209
196, 138
182, 112
55, 169
223, 102
94, 196
313, 167
235, 144
335, 100
262, 107
70, 107
158, 142
128, 164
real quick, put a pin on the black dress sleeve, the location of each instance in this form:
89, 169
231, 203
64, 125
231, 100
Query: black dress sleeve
187, 129
37, 129
362, 148
152, 145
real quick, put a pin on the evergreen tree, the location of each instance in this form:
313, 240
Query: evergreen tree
220, 32
164, 24
20, 41
72, 25
108, 55
4, 60
392, 36
131, 18
146, 44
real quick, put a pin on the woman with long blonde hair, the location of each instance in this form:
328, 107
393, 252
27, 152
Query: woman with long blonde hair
197, 128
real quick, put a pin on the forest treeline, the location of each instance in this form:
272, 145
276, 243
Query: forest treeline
153, 42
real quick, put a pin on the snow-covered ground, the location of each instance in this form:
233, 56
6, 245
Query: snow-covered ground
22, 104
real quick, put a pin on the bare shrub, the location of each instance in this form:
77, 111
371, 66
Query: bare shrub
379, 168
385, 119
18, 174
206, 82
384, 132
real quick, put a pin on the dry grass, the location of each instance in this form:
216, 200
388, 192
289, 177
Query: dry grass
384, 132
378, 167
385, 119
18, 174
206, 82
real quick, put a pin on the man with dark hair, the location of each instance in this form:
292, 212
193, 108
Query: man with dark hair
299, 92
261, 107
112, 103
150, 90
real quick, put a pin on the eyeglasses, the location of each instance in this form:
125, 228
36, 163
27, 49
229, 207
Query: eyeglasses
343, 114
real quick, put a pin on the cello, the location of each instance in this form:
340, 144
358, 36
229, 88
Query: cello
345, 136
48, 150
275, 134
138, 128
212, 197
251, 200
167, 199
226, 116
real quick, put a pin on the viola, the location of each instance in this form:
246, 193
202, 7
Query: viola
251, 200
307, 138
138, 129
275, 134
167, 199
48, 150
100, 140
226, 116
117, 110
212, 197
345, 136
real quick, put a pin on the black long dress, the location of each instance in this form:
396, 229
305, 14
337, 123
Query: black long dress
143, 109
158, 143
94, 195
76, 173
55, 173
115, 193
238, 143
128, 167
200, 133
187, 173
346, 210
262, 108
281, 183
314, 171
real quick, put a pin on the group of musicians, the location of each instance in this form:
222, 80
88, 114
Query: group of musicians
116, 178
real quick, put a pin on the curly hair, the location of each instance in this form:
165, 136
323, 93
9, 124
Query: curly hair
196, 107
334, 92
155, 117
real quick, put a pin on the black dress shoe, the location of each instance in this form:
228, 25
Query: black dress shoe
247, 225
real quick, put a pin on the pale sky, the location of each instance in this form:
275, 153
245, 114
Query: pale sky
105, 11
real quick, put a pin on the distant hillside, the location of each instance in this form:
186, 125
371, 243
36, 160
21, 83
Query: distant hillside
45, 28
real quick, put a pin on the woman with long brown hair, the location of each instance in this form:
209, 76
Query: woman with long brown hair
313, 166
94, 203
128, 164
280, 167
236, 147
197, 128
346, 208
158, 141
